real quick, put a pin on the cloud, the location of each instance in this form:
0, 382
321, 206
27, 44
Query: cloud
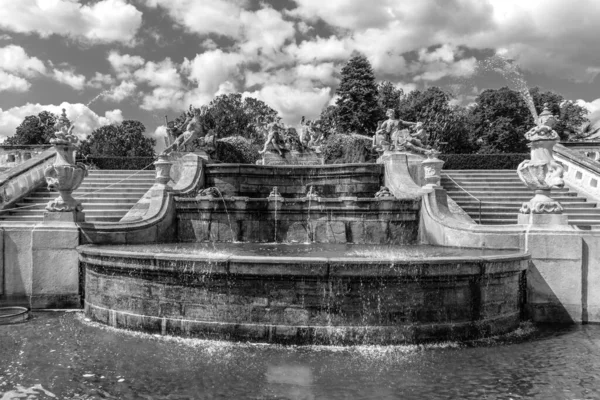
124, 64
102, 22
14, 59
161, 74
321, 49
292, 103
84, 119
202, 17
10, 82
119, 93
211, 68
70, 78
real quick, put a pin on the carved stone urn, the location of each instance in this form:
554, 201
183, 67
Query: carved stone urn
542, 172
65, 175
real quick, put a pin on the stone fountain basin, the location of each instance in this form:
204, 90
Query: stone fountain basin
306, 293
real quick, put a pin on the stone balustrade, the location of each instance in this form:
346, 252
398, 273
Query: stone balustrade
23, 178
13, 155
589, 149
581, 172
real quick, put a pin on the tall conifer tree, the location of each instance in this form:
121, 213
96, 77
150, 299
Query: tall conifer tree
357, 107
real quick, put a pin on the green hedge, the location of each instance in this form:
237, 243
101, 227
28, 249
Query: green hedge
483, 161
132, 163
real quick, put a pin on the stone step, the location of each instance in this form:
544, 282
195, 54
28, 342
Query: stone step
90, 212
513, 209
147, 181
88, 196
503, 194
121, 172
124, 184
82, 190
86, 205
497, 188
576, 202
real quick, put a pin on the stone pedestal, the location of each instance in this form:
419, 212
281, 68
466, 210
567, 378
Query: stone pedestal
431, 170
542, 219
55, 261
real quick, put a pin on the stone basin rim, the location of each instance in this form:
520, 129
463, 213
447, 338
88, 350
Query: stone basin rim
99, 250
13, 314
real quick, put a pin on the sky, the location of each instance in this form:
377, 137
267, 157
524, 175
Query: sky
109, 60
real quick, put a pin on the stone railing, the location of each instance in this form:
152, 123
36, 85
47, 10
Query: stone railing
13, 155
581, 172
589, 149
22, 179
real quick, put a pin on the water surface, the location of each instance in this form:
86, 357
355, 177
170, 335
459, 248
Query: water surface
62, 355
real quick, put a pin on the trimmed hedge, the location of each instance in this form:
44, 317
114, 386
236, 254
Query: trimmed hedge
131, 163
236, 149
483, 161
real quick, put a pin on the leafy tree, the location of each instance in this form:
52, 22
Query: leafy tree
119, 140
230, 115
35, 129
446, 125
328, 120
571, 117
499, 121
388, 96
357, 107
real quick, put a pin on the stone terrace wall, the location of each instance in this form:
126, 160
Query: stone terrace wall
341, 220
361, 180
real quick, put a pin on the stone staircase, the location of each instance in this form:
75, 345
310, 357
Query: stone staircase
106, 195
502, 193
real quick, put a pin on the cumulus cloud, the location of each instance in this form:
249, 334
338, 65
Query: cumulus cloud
211, 68
202, 17
14, 59
124, 64
161, 74
99, 80
292, 103
122, 91
100, 22
85, 120
10, 82
70, 78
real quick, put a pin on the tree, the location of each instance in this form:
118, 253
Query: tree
499, 121
119, 140
446, 125
35, 129
328, 120
571, 117
229, 115
357, 107
388, 96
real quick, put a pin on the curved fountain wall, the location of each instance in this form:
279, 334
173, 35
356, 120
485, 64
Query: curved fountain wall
308, 299
325, 300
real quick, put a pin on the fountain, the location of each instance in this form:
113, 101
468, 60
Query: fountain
325, 254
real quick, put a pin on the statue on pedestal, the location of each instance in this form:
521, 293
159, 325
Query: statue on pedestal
272, 134
193, 129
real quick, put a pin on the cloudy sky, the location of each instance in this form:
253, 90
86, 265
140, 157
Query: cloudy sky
108, 60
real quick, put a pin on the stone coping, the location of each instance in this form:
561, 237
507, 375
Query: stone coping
303, 266
577, 158
6, 176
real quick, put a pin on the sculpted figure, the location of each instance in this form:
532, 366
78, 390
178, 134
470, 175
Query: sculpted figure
64, 129
272, 134
391, 130
193, 130
414, 142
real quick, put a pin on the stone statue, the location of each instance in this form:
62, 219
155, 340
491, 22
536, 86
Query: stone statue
64, 130
414, 142
312, 135
272, 134
193, 130
390, 130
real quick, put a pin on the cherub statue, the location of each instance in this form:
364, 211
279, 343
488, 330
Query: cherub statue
390, 130
193, 130
316, 134
272, 134
414, 142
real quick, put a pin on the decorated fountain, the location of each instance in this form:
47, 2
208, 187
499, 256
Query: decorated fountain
302, 253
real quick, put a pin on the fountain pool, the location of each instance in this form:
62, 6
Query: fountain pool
306, 293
